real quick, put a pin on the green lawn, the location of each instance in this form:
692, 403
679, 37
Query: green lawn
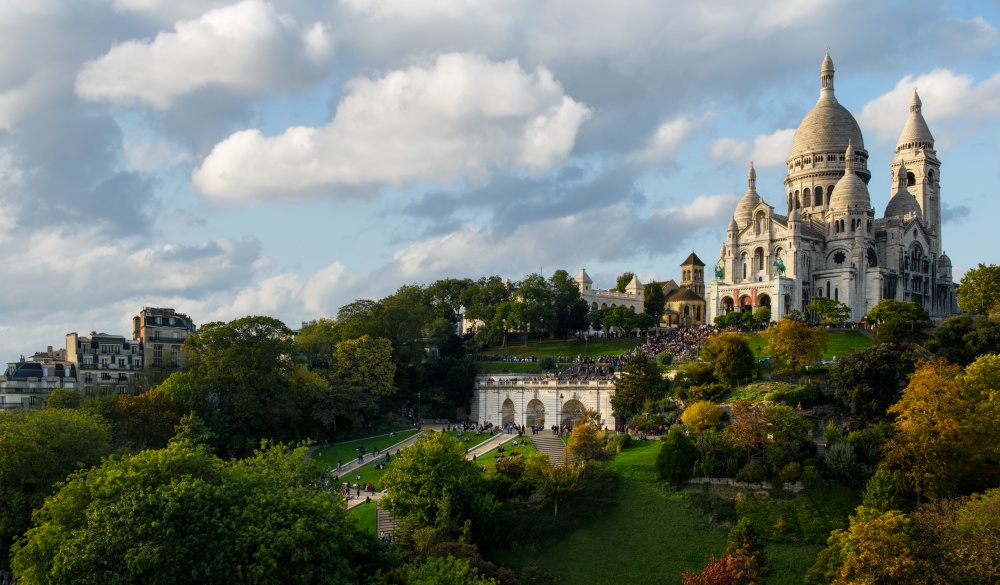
489, 462
838, 343
365, 516
653, 536
508, 368
347, 451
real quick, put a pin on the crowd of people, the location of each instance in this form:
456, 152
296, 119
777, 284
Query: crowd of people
683, 344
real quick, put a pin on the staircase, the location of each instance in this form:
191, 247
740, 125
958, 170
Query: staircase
553, 446
385, 522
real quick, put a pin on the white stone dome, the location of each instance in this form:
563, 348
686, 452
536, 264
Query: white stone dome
744, 209
850, 191
828, 126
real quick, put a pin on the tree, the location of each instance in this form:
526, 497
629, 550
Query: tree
366, 364
558, 482
63, 398
979, 290
892, 310
981, 391
446, 571
732, 357
930, 450
38, 449
829, 310
654, 301
146, 421
675, 461
878, 547
762, 315
867, 381
568, 304
744, 562
621, 285
585, 445
795, 342
642, 380
538, 313
621, 317
428, 471
180, 514
702, 415
960, 339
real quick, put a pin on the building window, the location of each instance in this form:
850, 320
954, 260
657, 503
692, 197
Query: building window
175, 355
836, 294
105, 375
157, 356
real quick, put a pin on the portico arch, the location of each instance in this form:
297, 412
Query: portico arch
727, 305
507, 412
535, 413
571, 412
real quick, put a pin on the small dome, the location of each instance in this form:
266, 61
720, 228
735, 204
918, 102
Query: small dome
732, 225
915, 131
944, 260
901, 205
744, 209
583, 277
795, 215
850, 192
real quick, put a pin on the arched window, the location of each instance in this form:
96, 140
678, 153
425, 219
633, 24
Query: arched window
836, 294
911, 180
872, 258
759, 223
744, 258
819, 195
687, 311
806, 198
829, 194
828, 288
796, 200
758, 259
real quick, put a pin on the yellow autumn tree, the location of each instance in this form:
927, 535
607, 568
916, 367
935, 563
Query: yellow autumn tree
930, 449
702, 415
878, 547
795, 342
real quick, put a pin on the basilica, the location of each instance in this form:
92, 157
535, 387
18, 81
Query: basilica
829, 241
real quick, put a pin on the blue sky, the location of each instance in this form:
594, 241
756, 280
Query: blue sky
285, 158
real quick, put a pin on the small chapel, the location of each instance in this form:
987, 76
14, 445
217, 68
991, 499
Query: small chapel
829, 241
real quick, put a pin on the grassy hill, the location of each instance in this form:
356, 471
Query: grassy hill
652, 537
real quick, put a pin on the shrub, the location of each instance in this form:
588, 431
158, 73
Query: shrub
621, 442
702, 415
807, 395
791, 472
755, 471
843, 464
665, 358
676, 459
547, 363
710, 392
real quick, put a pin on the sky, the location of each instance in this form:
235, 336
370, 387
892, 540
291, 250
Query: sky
231, 158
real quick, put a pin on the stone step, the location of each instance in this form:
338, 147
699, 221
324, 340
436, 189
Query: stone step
552, 446
385, 522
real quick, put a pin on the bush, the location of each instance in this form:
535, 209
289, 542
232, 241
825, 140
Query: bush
702, 415
791, 472
620, 442
547, 363
711, 392
807, 395
843, 464
676, 459
715, 508
755, 472
665, 358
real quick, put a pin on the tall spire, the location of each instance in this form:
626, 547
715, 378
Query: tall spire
915, 133
849, 158
915, 103
751, 179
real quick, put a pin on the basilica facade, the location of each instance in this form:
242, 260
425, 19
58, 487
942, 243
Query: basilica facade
829, 241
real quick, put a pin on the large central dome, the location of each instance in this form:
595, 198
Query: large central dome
828, 127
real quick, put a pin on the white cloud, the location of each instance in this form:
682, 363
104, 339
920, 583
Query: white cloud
168, 11
669, 137
949, 99
732, 149
771, 150
461, 115
247, 47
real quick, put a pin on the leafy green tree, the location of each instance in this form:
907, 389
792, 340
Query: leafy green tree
366, 364
621, 317
642, 380
731, 356
445, 296
446, 571
881, 492
538, 312
960, 339
428, 471
506, 319
979, 290
147, 420
621, 285
481, 302
892, 310
570, 308
762, 315
795, 342
654, 301
38, 449
557, 483
830, 311
980, 388
63, 398
675, 461
181, 515
585, 445
868, 381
